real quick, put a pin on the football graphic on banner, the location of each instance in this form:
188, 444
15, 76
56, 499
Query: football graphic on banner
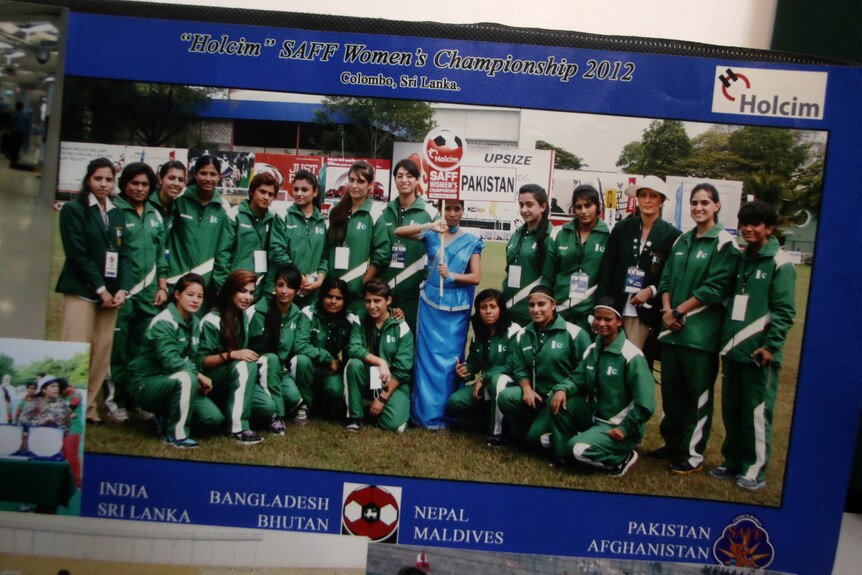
371, 511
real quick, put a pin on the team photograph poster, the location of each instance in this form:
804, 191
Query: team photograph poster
548, 83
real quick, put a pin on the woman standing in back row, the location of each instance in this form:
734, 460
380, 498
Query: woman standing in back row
698, 277
96, 277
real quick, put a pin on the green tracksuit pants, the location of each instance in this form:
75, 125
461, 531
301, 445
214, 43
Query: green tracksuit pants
687, 384
748, 402
235, 387
320, 390
462, 404
178, 396
595, 447
279, 383
396, 412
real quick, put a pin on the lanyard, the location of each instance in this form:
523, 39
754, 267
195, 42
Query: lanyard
519, 245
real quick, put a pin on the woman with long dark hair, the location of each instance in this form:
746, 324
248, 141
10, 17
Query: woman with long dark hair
145, 237
575, 253
526, 251
96, 276
273, 333
357, 241
324, 333
165, 379
225, 356
171, 183
698, 277
493, 335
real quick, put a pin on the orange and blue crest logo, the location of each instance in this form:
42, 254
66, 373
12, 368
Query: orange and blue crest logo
744, 543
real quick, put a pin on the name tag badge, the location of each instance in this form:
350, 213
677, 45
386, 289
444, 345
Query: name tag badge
374, 378
514, 277
399, 254
740, 304
260, 265
342, 257
112, 260
634, 279
578, 284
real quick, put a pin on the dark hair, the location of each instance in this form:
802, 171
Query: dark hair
713, 195
339, 214
408, 165
97, 164
133, 170
757, 212
331, 283
545, 290
262, 179
448, 203
172, 165
608, 301
230, 314
503, 322
542, 231
207, 160
315, 185
585, 192
376, 286
272, 322
182, 284
30, 384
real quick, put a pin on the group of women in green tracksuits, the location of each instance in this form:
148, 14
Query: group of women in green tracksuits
305, 314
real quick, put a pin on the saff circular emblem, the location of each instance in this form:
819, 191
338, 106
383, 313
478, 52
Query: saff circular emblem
371, 511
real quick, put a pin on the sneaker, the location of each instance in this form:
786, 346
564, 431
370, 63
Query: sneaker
684, 468
277, 426
118, 415
247, 437
722, 472
496, 440
139, 413
353, 425
187, 443
663, 452
750, 484
629, 462
301, 417
401, 428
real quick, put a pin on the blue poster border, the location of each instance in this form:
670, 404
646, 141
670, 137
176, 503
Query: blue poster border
803, 531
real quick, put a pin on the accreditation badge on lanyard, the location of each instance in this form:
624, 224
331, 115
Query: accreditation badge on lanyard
578, 284
111, 264
260, 264
634, 279
740, 304
399, 255
342, 257
514, 277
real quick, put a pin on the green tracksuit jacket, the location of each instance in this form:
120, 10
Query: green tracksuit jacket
548, 357
170, 345
769, 281
618, 383
368, 241
321, 340
195, 235
567, 255
522, 250
300, 241
624, 250
392, 343
243, 235
705, 268
492, 354
86, 241
407, 271
145, 240
288, 339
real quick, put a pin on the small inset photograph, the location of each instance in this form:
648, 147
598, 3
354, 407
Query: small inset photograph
42, 397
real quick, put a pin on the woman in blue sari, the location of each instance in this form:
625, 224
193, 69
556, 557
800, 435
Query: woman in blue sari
445, 302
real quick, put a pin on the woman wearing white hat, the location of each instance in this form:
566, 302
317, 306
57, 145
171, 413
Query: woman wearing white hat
634, 259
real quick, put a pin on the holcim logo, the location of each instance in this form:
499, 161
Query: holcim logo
776, 93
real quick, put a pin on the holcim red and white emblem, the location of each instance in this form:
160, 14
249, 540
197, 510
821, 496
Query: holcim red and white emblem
443, 149
371, 511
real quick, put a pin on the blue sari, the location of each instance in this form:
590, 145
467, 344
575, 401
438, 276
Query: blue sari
442, 329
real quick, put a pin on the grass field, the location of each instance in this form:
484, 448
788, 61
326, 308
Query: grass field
462, 454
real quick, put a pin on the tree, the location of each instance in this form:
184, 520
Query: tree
370, 126
663, 149
115, 112
7, 365
710, 156
777, 151
563, 159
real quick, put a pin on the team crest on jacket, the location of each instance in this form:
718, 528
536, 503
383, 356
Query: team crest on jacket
744, 543
371, 511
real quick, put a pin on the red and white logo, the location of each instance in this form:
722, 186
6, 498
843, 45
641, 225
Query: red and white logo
371, 511
773, 93
443, 149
